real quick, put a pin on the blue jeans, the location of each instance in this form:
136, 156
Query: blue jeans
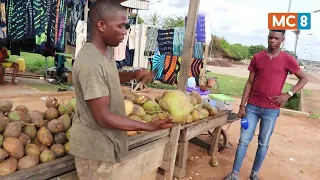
268, 120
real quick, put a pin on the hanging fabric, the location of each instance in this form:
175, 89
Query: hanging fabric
152, 43
169, 72
165, 41
3, 23
81, 36
16, 19
75, 16
120, 50
198, 50
60, 25
41, 21
3, 20
158, 66
30, 31
178, 38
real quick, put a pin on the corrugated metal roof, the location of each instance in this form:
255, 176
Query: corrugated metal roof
136, 4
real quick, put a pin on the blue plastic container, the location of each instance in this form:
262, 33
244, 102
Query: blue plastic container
244, 123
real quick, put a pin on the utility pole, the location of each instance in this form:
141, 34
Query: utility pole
289, 8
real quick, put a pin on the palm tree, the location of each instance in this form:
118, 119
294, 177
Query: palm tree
297, 33
154, 19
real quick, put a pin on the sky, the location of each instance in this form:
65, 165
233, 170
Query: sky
245, 21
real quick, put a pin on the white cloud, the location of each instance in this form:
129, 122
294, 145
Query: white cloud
245, 21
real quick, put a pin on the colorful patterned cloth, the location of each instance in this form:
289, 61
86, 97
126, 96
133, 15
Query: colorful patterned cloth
75, 16
16, 10
178, 41
152, 43
165, 41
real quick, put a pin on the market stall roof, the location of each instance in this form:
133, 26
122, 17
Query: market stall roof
136, 4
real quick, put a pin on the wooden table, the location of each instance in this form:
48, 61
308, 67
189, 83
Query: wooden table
193, 130
140, 161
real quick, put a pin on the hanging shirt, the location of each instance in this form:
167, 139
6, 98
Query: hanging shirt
81, 31
120, 50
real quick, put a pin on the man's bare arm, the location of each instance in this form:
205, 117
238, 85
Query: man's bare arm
100, 111
303, 80
247, 89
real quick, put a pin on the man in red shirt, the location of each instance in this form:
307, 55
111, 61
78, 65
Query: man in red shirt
263, 97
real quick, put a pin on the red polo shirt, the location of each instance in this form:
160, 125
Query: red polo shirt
270, 77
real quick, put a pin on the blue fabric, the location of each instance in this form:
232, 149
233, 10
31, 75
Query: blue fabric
198, 50
268, 120
178, 41
165, 41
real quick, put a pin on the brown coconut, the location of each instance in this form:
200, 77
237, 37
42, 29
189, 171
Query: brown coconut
14, 147
28, 162
44, 136
52, 102
5, 106
24, 138
55, 126
22, 108
19, 116
58, 150
30, 130
8, 166
60, 138
32, 150
51, 113
3, 155
13, 129
4, 121
46, 156
36, 119
66, 121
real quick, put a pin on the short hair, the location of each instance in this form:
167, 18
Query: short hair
282, 31
102, 8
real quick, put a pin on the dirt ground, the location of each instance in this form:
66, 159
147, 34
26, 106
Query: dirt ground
293, 153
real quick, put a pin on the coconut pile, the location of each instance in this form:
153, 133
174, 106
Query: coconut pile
175, 104
29, 137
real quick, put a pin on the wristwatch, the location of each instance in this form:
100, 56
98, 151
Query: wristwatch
290, 93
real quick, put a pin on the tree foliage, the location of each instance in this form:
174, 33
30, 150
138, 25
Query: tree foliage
231, 51
172, 22
253, 49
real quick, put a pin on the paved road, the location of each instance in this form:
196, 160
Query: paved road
241, 71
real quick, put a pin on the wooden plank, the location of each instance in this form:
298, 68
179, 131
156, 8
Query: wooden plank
146, 137
67, 176
214, 143
146, 147
170, 153
205, 126
64, 93
180, 172
188, 44
44, 170
205, 60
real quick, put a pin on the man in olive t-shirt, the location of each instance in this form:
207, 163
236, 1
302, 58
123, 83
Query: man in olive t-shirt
98, 135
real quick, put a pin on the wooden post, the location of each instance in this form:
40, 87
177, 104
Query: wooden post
205, 60
188, 44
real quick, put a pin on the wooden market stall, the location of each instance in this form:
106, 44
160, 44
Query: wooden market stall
138, 163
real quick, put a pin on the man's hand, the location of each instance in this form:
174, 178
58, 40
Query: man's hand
144, 75
242, 112
163, 124
280, 100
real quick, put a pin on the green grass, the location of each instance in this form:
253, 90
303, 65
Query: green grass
234, 86
35, 63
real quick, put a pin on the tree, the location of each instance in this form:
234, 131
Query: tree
172, 22
253, 49
140, 20
154, 19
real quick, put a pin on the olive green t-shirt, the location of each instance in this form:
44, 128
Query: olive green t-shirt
94, 76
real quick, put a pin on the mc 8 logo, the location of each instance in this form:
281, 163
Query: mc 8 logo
289, 21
